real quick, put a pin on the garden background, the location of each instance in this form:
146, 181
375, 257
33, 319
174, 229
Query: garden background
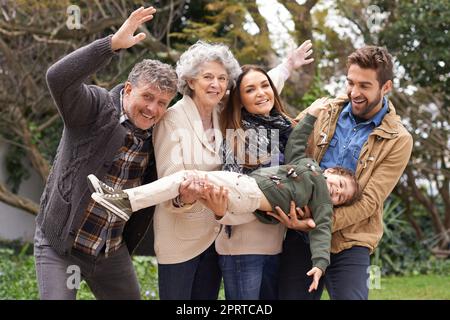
412, 261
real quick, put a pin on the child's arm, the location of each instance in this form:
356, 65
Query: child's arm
298, 140
316, 273
320, 236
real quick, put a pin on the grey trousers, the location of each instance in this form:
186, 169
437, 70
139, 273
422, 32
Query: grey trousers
111, 278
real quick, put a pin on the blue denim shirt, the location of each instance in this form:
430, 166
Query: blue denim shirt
349, 137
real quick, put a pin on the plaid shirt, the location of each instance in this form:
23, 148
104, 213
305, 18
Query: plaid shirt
101, 229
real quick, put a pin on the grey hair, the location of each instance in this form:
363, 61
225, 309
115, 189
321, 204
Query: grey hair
156, 73
191, 60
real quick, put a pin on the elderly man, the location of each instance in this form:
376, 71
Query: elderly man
109, 133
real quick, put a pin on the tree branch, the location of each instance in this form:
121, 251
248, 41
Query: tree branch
18, 201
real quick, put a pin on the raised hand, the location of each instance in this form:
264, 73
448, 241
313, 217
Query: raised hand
124, 37
298, 57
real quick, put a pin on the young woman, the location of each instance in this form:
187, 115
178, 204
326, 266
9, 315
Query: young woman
256, 128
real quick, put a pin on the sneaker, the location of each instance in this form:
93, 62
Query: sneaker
117, 203
95, 185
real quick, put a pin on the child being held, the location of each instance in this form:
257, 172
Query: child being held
300, 180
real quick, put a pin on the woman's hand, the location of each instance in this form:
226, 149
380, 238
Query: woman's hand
298, 57
124, 37
215, 199
291, 220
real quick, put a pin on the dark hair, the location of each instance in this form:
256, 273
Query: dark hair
231, 115
376, 58
349, 173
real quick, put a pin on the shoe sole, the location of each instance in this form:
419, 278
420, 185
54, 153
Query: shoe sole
105, 204
94, 184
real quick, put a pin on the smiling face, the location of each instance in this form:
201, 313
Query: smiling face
341, 188
364, 91
256, 93
210, 84
144, 104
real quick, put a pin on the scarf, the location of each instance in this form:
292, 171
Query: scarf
265, 142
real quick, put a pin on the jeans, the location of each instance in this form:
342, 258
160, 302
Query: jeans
346, 278
111, 278
195, 279
250, 276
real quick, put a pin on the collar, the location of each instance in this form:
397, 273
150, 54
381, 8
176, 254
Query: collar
123, 116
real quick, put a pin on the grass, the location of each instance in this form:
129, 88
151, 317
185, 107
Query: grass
18, 281
414, 287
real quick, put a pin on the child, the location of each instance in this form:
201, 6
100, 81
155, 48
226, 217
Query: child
300, 180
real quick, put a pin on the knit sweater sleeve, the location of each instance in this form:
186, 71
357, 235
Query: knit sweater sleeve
77, 102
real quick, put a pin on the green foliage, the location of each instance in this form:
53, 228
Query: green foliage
16, 171
222, 21
420, 40
399, 252
17, 275
298, 104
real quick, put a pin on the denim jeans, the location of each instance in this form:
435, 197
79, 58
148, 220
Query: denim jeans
250, 276
346, 278
195, 279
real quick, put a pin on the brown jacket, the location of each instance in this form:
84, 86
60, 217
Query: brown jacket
381, 162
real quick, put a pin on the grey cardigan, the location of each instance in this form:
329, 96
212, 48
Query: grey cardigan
92, 135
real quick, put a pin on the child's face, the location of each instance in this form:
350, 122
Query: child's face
256, 93
341, 188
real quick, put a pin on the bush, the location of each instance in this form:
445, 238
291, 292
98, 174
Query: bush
399, 251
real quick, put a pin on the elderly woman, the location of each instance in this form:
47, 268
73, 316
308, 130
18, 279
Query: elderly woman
189, 137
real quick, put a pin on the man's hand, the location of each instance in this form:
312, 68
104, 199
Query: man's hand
316, 273
215, 199
291, 221
124, 37
298, 57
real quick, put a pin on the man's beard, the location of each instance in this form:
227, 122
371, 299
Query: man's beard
370, 106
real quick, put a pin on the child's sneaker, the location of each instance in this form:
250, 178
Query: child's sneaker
95, 185
117, 203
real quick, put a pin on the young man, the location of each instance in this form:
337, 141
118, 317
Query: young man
109, 133
360, 132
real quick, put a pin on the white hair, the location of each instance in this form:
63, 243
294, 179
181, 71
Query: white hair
190, 62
